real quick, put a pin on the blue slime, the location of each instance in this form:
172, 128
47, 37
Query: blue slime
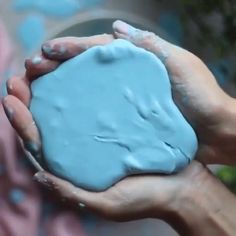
107, 114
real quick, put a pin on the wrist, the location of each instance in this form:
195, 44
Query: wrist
186, 213
197, 208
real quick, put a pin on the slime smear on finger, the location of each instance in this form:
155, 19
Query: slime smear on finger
36, 60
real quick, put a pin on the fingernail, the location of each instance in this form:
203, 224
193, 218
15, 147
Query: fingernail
32, 147
9, 113
123, 28
61, 49
27, 64
36, 60
9, 85
41, 178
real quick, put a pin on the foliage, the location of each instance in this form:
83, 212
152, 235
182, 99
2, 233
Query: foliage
200, 10
228, 176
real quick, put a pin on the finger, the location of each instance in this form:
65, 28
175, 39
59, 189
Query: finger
65, 48
22, 121
19, 87
147, 40
38, 66
60, 49
70, 193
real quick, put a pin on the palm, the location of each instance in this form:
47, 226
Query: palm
133, 198
200, 99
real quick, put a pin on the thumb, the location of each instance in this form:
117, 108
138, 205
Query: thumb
173, 57
147, 40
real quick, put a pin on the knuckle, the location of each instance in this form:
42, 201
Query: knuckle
150, 36
105, 35
145, 38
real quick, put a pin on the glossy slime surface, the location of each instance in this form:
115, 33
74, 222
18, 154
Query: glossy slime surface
108, 113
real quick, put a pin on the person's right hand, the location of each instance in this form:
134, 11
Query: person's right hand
210, 111
190, 201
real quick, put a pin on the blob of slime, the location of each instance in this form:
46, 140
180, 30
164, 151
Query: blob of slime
108, 114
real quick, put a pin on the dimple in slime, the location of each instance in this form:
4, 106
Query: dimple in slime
107, 114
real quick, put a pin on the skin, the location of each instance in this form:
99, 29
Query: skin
190, 201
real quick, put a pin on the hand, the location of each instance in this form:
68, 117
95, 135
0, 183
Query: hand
210, 111
133, 198
191, 201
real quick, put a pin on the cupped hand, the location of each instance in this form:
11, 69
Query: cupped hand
134, 197
16, 104
210, 111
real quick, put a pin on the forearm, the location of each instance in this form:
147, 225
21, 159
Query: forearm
206, 209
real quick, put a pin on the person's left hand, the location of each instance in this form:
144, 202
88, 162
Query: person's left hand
135, 197
17, 102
